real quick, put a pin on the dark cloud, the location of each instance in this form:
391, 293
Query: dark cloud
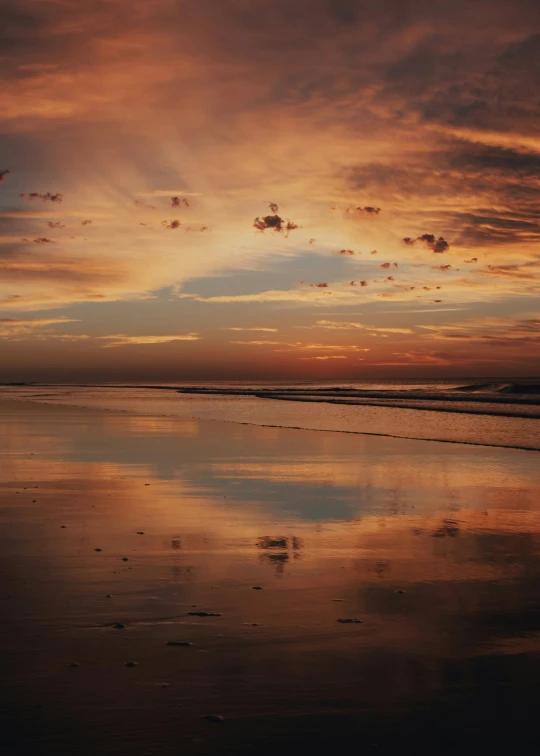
48, 197
478, 228
363, 283
368, 210
86, 223
476, 156
21, 29
344, 11
441, 267
385, 266
177, 201
273, 208
199, 230
172, 225
43, 240
474, 81
3, 175
436, 245
488, 169
274, 222
55, 224
142, 203
430, 240
346, 252
312, 241
319, 285
268, 221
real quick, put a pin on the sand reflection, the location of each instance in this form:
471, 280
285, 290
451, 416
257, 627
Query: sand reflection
434, 550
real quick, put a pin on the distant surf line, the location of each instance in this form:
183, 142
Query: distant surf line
401, 405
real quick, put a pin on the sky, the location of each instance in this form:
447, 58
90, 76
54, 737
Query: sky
246, 189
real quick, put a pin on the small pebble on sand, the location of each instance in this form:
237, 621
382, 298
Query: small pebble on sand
178, 643
73, 665
62, 526
97, 549
140, 532
205, 614
131, 664
349, 621
257, 587
125, 559
109, 595
214, 718
121, 626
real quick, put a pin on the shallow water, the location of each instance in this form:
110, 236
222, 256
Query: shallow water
434, 547
425, 423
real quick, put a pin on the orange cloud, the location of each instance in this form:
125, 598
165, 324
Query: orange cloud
122, 339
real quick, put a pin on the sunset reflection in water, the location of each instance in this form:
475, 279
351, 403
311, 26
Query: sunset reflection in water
434, 548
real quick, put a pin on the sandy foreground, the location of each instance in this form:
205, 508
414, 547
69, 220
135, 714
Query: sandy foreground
113, 519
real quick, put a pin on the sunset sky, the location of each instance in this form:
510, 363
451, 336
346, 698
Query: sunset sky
228, 189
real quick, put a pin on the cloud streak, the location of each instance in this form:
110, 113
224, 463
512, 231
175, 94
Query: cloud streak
122, 339
47, 197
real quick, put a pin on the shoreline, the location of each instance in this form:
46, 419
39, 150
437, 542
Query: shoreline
134, 412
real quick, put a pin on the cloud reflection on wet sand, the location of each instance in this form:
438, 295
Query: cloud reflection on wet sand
436, 554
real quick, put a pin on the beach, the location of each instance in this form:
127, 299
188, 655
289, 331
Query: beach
269, 378
357, 591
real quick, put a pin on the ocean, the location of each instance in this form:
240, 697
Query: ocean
484, 411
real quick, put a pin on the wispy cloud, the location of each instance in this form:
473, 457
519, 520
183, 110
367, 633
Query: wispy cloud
17, 329
505, 332
339, 325
250, 328
122, 339
326, 357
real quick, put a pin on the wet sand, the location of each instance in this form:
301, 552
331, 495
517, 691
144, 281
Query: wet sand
434, 547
